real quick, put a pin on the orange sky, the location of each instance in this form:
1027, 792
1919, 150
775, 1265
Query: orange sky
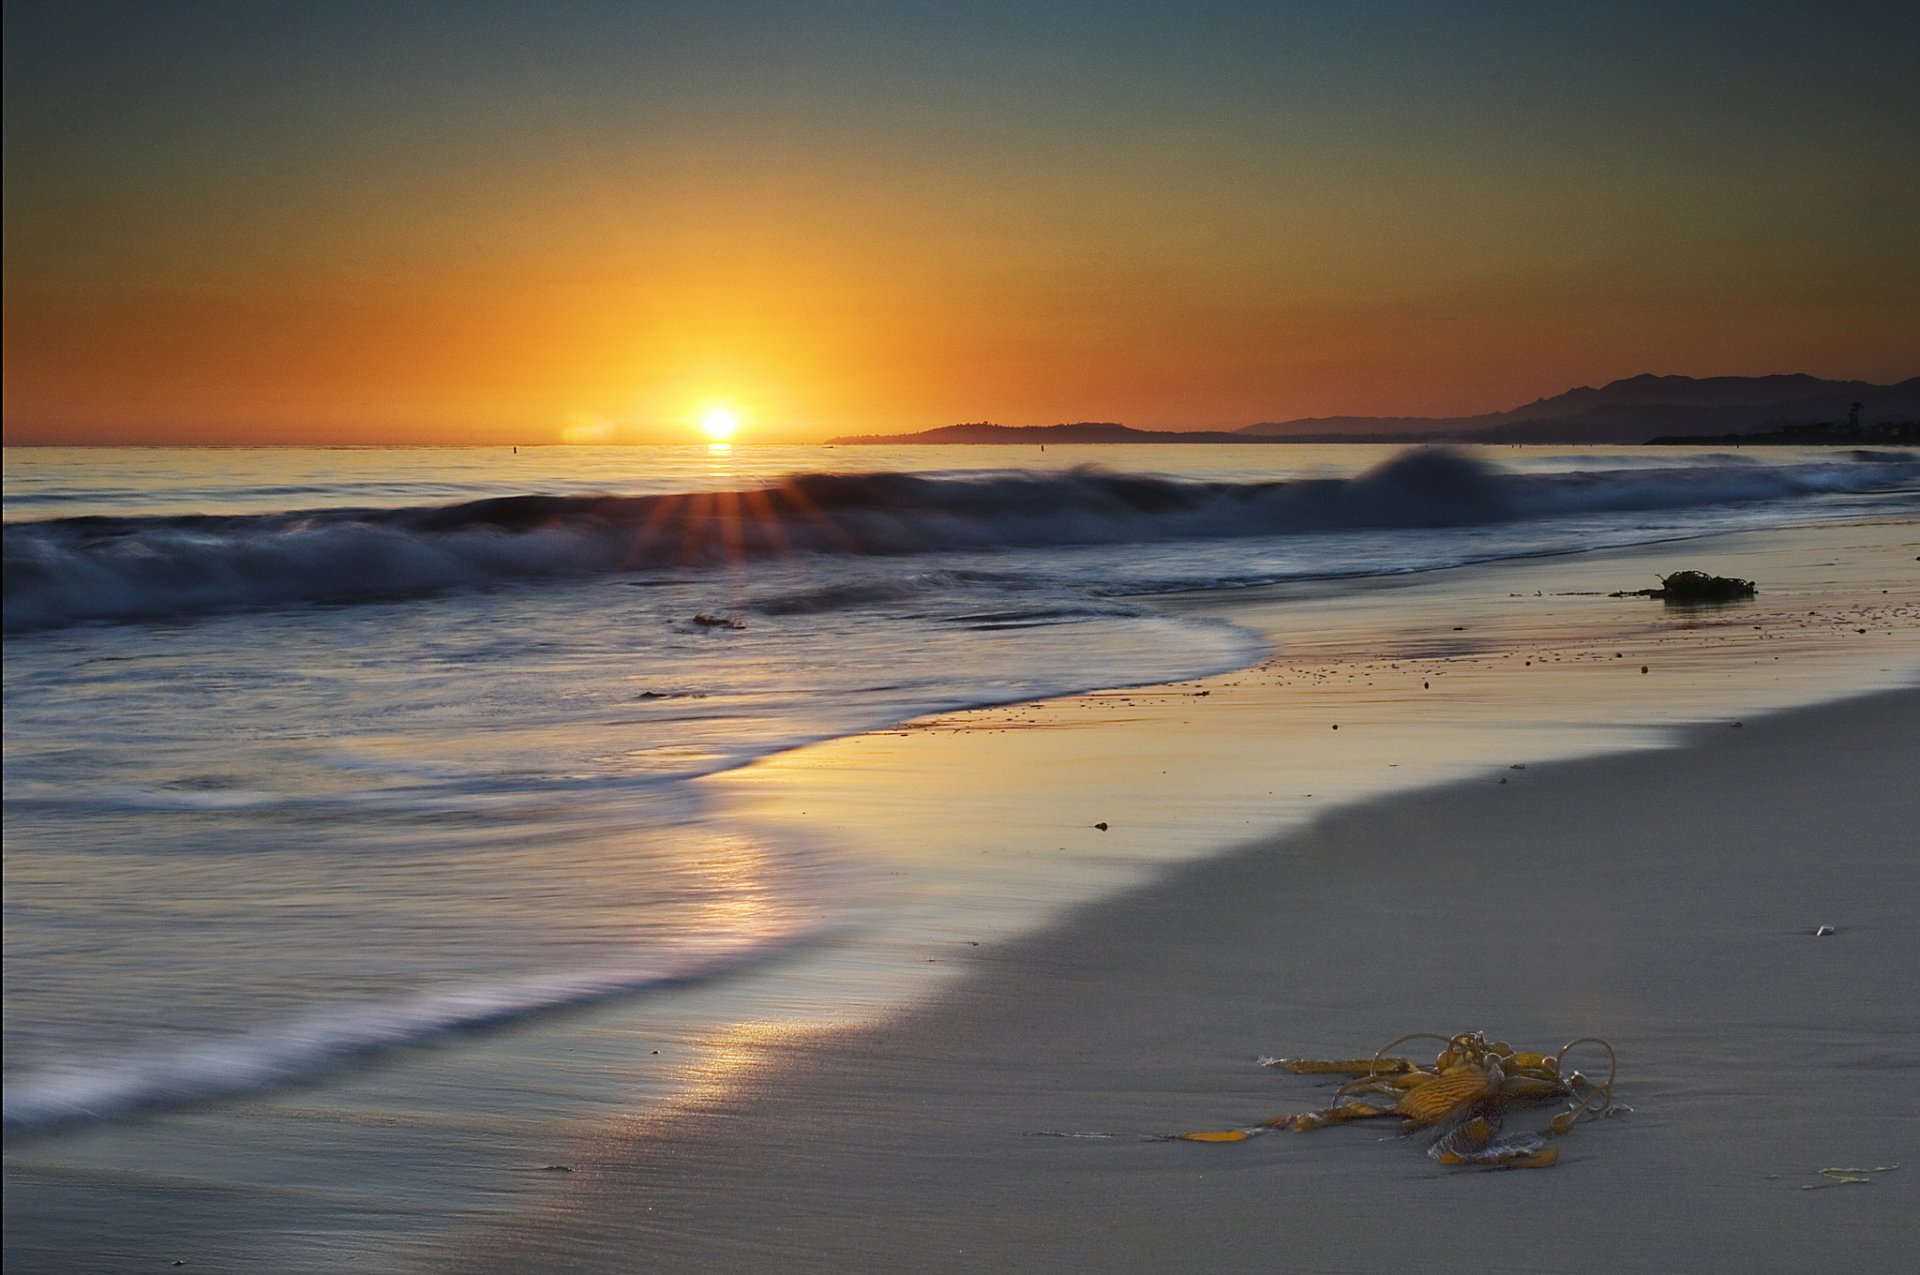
299, 227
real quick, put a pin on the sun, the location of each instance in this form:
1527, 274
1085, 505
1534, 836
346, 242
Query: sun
720, 423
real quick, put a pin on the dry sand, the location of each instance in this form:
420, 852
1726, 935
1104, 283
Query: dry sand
1663, 899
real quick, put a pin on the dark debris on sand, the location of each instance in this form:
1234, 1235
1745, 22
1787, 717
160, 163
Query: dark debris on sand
1694, 586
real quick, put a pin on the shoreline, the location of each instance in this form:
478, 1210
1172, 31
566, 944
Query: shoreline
995, 816
1592, 896
1525, 665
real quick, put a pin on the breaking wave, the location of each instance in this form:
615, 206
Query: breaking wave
69, 570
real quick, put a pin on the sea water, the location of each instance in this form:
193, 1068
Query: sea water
318, 755
315, 752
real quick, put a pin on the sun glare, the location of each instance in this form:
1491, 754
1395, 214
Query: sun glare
720, 423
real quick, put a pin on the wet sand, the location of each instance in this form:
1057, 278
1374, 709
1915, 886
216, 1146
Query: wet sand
1666, 900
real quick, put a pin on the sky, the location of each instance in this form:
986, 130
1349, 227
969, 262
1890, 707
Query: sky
573, 220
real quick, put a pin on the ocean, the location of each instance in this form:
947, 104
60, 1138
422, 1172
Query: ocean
334, 763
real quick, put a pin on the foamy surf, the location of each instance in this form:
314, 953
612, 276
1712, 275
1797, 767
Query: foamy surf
308, 1048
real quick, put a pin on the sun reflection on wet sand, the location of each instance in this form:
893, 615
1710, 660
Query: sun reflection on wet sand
1417, 680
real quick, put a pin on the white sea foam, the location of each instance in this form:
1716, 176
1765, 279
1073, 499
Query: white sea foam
277, 1054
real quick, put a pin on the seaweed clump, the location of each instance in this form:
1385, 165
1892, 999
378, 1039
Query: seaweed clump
1694, 586
1468, 1093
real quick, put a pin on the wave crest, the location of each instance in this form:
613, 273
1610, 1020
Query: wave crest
65, 571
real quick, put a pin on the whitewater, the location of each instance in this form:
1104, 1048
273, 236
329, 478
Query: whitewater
312, 756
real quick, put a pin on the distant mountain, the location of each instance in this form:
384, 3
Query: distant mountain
1634, 410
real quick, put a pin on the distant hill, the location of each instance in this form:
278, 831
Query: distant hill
1634, 410
1631, 411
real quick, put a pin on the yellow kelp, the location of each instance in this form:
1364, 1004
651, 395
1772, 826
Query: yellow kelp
1466, 1094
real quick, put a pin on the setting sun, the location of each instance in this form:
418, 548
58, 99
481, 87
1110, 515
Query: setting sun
719, 423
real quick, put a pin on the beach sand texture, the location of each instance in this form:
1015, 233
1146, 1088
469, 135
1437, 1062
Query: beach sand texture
1664, 898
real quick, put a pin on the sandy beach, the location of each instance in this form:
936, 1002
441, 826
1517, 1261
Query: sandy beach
1666, 899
